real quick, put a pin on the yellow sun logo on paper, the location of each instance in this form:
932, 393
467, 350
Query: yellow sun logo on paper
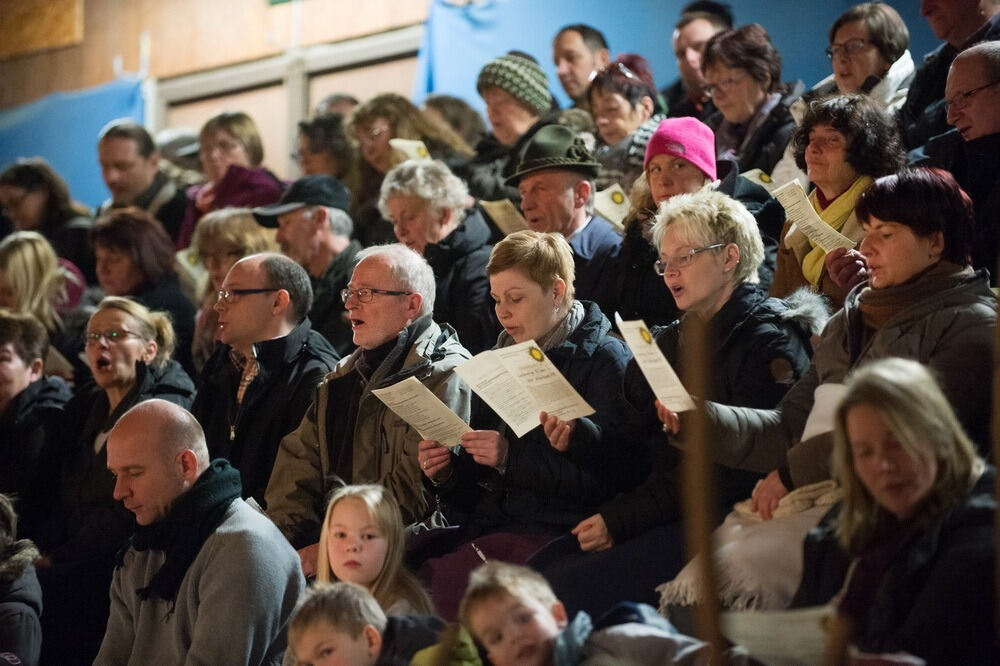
537, 354
765, 178
422, 151
618, 197
647, 338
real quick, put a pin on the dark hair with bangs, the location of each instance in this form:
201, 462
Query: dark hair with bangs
928, 201
136, 233
885, 26
748, 48
874, 147
630, 76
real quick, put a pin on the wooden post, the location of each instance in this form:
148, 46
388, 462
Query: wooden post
995, 430
698, 491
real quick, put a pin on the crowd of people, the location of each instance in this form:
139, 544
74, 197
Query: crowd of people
192, 426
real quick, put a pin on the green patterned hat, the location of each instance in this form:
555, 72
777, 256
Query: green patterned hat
519, 77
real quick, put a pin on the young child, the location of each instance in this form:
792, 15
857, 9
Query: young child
513, 613
342, 624
362, 542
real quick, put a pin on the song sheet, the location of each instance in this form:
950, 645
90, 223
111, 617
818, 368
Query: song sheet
414, 403
798, 209
655, 367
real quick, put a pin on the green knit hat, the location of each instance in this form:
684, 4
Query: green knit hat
519, 77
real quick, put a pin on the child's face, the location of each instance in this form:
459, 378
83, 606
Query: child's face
355, 545
322, 644
517, 630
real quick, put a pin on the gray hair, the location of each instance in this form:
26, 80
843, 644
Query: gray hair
410, 271
284, 273
707, 217
340, 222
430, 180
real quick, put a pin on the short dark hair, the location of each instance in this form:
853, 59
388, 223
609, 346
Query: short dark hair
874, 147
283, 273
325, 134
927, 200
633, 82
722, 12
135, 232
749, 48
124, 128
715, 20
592, 37
884, 24
34, 174
25, 334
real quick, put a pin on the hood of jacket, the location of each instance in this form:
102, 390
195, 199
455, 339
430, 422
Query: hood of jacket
805, 310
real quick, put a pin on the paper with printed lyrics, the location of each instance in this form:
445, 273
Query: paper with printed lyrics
414, 403
519, 382
410, 149
780, 637
612, 204
826, 398
798, 209
655, 367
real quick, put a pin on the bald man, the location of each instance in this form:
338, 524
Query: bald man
206, 578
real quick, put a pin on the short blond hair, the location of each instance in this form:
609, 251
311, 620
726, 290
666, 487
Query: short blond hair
920, 417
233, 230
542, 257
498, 579
347, 607
707, 217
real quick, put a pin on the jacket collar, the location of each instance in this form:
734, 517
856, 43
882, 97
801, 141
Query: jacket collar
587, 337
282, 351
470, 235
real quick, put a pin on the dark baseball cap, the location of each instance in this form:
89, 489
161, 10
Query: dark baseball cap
317, 190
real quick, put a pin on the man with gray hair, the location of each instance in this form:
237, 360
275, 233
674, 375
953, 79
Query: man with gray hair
205, 578
348, 434
315, 230
261, 379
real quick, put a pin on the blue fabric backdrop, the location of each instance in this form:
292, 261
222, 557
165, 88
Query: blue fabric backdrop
460, 40
63, 129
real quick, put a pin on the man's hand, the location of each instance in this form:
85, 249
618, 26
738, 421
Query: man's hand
434, 459
846, 267
308, 557
486, 447
592, 533
767, 495
558, 432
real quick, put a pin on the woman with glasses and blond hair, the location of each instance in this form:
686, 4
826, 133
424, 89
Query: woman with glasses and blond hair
709, 253
129, 352
232, 154
626, 110
917, 518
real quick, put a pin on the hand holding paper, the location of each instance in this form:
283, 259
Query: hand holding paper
414, 403
798, 209
661, 376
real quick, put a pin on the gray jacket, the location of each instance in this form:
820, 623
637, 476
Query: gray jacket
950, 330
384, 445
231, 608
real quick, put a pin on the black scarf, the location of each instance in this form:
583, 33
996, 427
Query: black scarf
191, 519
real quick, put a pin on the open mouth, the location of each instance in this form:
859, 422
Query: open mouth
355, 323
103, 364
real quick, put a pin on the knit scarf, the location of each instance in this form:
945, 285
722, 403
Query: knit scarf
835, 215
556, 335
878, 306
191, 519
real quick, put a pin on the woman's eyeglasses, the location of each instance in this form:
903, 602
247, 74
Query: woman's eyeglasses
681, 261
111, 336
850, 47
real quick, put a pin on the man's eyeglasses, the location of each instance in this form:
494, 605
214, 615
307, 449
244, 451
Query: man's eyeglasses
365, 295
850, 47
961, 100
661, 266
230, 296
724, 85
111, 336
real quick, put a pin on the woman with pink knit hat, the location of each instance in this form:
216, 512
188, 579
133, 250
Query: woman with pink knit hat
680, 158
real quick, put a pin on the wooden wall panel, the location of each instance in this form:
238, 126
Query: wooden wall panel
364, 82
191, 35
28, 26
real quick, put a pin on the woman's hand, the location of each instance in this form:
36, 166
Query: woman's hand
486, 447
434, 459
767, 495
671, 420
846, 267
309, 557
558, 432
592, 533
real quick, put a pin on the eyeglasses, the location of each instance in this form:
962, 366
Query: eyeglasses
230, 296
661, 266
961, 100
372, 134
111, 336
850, 47
365, 295
724, 85
225, 146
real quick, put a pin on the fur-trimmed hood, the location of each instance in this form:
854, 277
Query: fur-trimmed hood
808, 310
15, 558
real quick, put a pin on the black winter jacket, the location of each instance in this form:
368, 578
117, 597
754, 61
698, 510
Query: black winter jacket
767, 145
20, 604
541, 488
248, 434
462, 297
760, 347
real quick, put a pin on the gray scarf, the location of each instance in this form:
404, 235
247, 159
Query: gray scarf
556, 335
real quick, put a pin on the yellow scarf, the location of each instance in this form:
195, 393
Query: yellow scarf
835, 215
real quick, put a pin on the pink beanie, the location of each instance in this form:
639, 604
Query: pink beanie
684, 137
